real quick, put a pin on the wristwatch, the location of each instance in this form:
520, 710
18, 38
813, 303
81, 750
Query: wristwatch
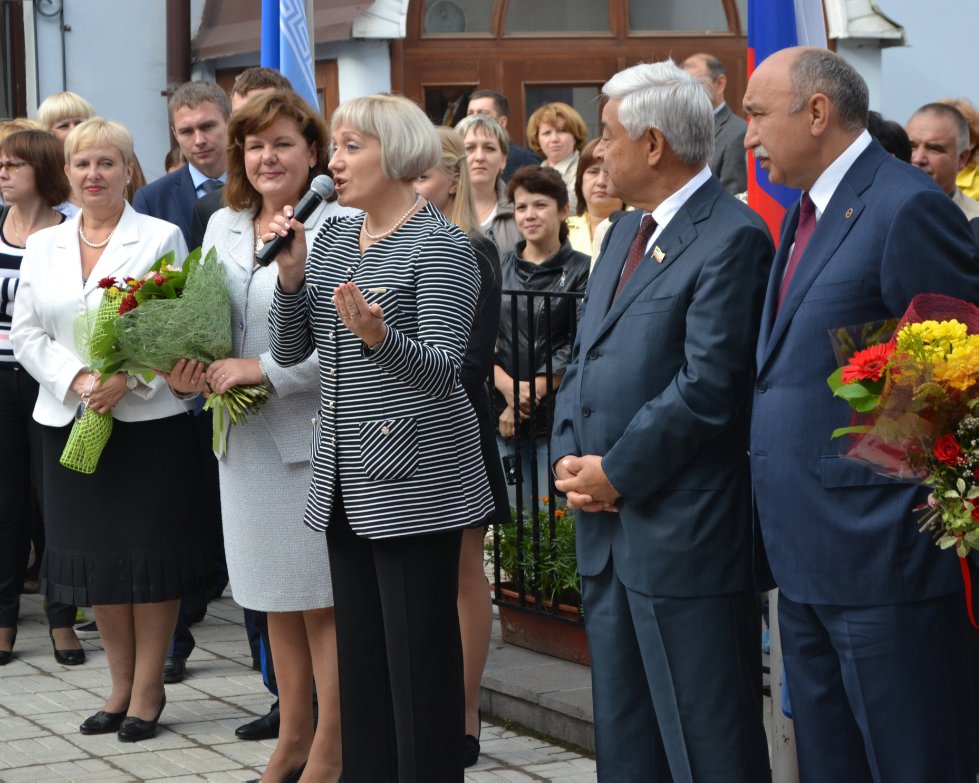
132, 382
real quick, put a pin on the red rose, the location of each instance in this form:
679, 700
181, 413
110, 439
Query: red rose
107, 282
128, 303
159, 279
868, 364
948, 450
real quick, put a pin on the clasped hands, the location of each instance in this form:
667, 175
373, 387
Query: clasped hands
584, 482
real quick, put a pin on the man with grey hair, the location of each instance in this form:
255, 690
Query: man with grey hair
650, 435
939, 137
871, 612
729, 161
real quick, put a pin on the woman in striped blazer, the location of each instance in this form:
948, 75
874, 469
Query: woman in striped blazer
387, 300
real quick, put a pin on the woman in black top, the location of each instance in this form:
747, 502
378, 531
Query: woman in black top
32, 183
543, 262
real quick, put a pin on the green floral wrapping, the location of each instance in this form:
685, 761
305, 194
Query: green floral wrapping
196, 325
91, 430
87, 438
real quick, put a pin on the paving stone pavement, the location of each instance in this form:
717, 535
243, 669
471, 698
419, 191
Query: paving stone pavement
42, 703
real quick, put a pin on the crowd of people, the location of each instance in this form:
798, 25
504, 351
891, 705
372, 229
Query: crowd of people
416, 336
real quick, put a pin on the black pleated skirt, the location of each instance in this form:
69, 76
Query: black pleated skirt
129, 533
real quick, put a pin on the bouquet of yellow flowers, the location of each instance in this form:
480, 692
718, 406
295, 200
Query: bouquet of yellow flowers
916, 397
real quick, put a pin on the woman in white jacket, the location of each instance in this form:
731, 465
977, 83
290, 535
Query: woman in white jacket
122, 539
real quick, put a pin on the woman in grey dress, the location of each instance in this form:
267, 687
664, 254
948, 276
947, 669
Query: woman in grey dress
276, 564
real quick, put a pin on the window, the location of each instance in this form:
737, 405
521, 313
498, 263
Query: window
557, 16
653, 15
453, 17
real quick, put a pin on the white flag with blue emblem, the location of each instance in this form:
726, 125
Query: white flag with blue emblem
286, 45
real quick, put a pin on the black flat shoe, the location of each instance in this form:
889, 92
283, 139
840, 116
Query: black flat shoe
470, 750
174, 669
134, 729
66, 657
6, 656
102, 722
266, 727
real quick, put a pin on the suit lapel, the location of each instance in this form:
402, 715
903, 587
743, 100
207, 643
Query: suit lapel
842, 213
671, 243
789, 225
241, 244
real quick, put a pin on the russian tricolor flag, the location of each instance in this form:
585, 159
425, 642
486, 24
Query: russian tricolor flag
774, 25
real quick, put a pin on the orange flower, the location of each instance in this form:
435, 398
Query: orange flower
868, 364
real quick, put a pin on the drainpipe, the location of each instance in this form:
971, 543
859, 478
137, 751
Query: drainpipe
178, 43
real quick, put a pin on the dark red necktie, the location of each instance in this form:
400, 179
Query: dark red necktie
636, 251
803, 231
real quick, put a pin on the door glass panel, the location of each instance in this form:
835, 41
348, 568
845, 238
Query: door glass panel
446, 104
654, 15
557, 16
583, 98
456, 17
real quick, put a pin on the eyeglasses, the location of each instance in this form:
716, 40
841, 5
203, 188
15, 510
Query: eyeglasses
13, 166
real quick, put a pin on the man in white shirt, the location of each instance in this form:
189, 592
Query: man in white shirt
939, 137
871, 612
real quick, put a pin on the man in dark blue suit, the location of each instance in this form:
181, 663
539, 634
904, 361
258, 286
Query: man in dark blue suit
650, 439
871, 613
199, 113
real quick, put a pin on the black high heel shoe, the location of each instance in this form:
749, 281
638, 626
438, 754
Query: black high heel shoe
6, 656
102, 722
66, 657
292, 777
133, 729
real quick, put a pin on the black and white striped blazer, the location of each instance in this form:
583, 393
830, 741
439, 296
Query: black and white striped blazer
395, 427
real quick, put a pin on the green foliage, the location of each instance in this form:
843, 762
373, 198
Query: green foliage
555, 576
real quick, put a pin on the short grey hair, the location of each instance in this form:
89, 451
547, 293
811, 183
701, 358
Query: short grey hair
409, 144
664, 96
488, 126
821, 71
956, 117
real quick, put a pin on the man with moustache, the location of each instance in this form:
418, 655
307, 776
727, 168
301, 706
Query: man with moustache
871, 612
651, 425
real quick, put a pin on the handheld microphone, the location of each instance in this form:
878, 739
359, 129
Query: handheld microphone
320, 188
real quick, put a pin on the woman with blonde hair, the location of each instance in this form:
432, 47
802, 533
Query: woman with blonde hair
486, 144
387, 299
131, 561
61, 112
558, 133
446, 186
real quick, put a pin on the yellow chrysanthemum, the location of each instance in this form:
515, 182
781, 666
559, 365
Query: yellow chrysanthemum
931, 340
961, 366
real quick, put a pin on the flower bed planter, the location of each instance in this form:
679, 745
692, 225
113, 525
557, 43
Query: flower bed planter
560, 636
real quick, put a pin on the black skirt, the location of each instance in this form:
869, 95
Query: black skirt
130, 532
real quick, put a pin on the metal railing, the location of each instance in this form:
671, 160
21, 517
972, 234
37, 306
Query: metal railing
534, 568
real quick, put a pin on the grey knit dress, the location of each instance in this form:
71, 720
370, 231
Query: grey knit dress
275, 562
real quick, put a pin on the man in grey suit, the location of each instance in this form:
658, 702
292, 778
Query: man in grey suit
729, 162
651, 423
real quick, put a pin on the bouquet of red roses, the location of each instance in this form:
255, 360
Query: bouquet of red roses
915, 394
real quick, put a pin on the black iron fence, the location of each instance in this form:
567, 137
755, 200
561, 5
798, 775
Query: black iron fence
534, 564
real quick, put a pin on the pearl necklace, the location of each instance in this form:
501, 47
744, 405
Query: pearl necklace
396, 226
87, 241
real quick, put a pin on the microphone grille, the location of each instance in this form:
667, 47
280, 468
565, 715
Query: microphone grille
322, 186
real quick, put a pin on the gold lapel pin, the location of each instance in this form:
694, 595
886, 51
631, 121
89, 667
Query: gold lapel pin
849, 213
658, 254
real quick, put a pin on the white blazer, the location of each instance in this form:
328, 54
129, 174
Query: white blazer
51, 296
